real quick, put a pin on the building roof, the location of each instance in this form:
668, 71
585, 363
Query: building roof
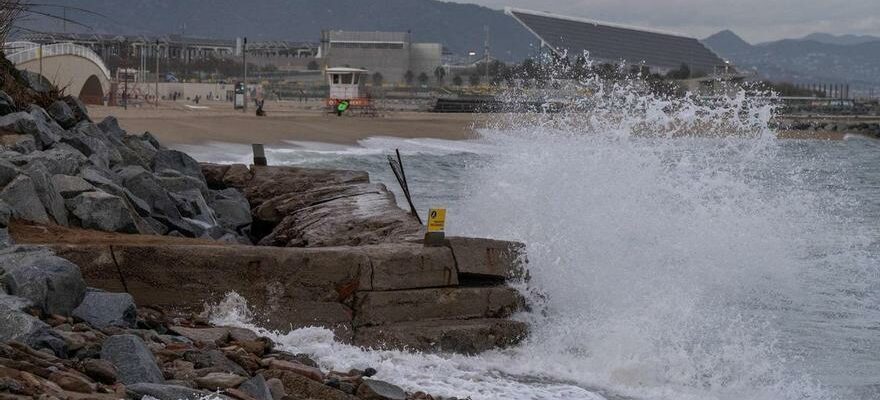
610, 42
371, 37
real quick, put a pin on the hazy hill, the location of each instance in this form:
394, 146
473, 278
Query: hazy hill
458, 26
855, 60
844, 40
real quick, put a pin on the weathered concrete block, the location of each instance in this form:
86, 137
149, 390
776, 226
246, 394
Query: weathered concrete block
457, 336
382, 308
410, 266
288, 287
488, 258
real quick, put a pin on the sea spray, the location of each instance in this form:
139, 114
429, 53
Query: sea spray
681, 251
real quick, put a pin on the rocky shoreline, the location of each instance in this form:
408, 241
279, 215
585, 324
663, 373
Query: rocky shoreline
111, 245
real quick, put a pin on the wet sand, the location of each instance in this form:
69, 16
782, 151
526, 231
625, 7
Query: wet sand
179, 124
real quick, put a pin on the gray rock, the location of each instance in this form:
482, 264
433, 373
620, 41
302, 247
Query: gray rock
141, 150
7, 104
372, 389
24, 144
51, 283
5, 214
102, 310
15, 322
92, 142
71, 186
5, 241
110, 126
104, 180
165, 392
62, 114
173, 181
61, 159
47, 132
192, 205
257, 388
231, 209
8, 172
21, 195
177, 161
133, 360
102, 211
213, 359
80, 112
146, 187
48, 195
27, 124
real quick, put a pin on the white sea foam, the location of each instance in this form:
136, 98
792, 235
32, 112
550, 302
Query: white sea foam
681, 250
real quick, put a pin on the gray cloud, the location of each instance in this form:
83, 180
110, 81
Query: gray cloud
754, 20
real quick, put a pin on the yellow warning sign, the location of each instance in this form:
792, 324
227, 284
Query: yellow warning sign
437, 220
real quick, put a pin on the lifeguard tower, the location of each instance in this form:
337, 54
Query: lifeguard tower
348, 91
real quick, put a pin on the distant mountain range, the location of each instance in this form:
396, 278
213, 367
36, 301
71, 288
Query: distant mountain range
819, 58
459, 27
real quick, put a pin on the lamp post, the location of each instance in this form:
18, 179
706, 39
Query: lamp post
244, 61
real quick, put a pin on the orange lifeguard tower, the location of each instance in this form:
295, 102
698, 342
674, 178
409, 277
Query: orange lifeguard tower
347, 90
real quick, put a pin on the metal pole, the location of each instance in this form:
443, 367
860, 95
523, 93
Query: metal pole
157, 73
41, 61
486, 50
244, 61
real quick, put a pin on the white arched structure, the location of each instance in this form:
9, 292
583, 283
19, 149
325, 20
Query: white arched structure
77, 69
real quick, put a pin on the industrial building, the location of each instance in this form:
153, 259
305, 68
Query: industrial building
612, 43
391, 54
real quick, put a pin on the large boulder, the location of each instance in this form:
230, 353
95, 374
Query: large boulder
21, 194
51, 283
102, 211
146, 187
7, 104
231, 209
110, 126
193, 206
16, 323
48, 132
133, 360
71, 186
8, 172
62, 114
46, 192
37, 124
80, 112
102, 310
177, 161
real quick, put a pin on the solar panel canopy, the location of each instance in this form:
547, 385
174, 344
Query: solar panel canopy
611, 43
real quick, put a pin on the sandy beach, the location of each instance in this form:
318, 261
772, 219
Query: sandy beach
180, 124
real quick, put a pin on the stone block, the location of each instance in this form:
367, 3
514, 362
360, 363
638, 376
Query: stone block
410, 266
487, 258
382, 308
471, 336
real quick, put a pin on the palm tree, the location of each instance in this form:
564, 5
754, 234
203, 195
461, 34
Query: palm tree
408, 77
378, 79
423, 79
457, 81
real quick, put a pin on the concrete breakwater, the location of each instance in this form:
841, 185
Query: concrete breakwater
110, 244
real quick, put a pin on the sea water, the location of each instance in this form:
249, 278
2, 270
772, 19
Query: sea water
664, 266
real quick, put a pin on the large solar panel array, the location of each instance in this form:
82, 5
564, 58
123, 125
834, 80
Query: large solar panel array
610, 43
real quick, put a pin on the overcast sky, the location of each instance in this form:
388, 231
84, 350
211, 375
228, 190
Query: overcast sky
754, 20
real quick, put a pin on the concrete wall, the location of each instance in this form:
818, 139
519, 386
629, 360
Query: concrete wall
391, 63
206, 91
